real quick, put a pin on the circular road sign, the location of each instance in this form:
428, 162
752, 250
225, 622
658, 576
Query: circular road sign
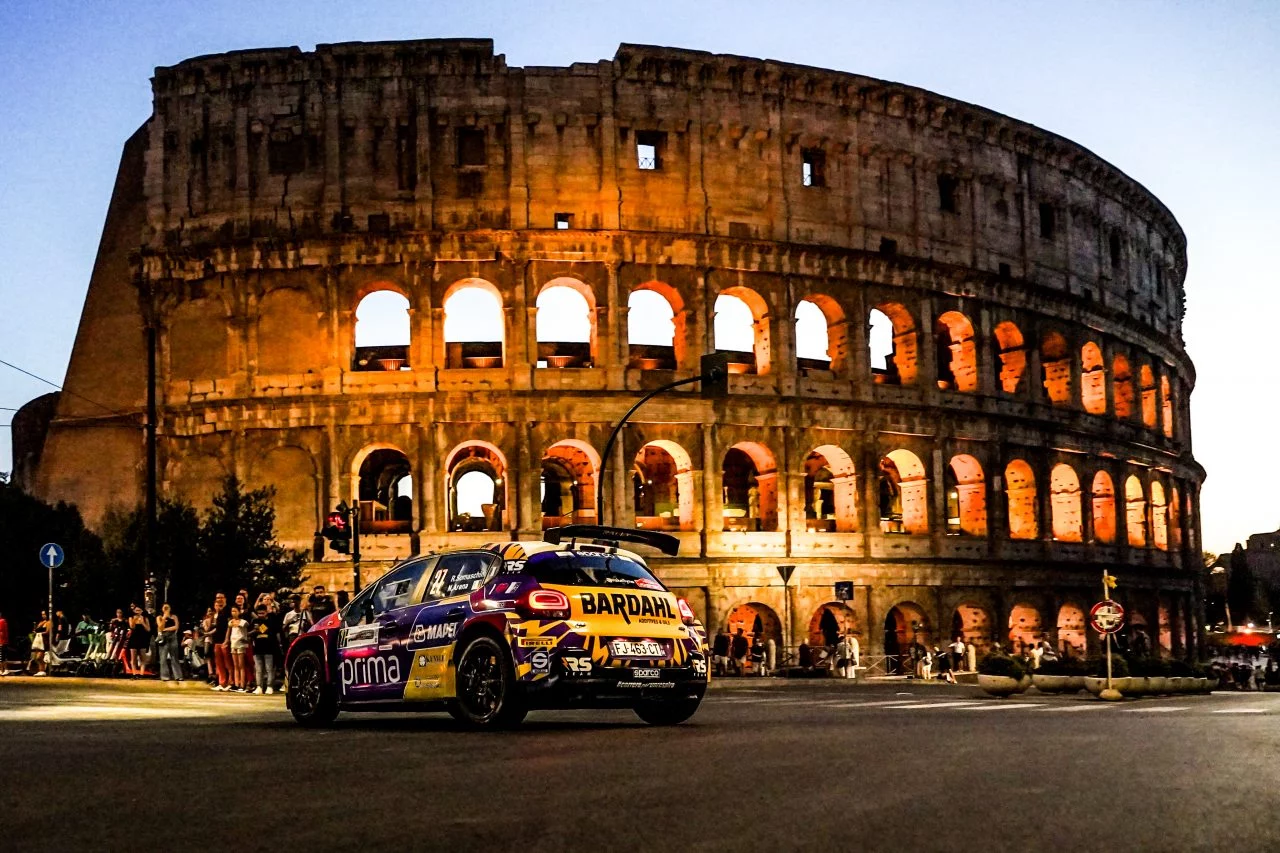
1107, 616
51, 555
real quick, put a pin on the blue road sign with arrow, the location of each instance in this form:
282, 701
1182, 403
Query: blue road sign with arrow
51, 555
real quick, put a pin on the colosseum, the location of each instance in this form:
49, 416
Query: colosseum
407, 276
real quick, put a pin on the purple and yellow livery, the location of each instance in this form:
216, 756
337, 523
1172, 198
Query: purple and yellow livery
491, 633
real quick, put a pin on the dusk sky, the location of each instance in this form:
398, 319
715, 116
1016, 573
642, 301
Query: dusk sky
1184, 97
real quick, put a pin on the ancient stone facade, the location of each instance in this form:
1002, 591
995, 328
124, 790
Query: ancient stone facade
1023, 426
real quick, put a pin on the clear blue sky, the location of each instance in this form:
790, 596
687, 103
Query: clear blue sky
1185, 97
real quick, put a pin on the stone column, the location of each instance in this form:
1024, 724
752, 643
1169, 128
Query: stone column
712, 500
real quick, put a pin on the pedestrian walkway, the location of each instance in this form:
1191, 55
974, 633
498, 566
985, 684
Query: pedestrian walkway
923, 704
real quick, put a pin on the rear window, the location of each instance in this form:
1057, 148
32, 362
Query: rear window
589, 569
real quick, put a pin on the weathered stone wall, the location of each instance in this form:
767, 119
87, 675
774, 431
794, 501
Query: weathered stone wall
282, 187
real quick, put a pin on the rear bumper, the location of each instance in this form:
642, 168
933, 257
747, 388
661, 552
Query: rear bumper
615, 688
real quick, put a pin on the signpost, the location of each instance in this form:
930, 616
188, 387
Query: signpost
51, 557
785, 572
1107, 617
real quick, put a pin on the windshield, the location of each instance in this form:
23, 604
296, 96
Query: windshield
590, 569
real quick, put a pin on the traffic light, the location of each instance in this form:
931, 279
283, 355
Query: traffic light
715, 375
338, 532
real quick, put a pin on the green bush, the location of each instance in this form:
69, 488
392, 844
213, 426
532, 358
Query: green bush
1180, 669
1054, 666
1119, 667
995, 664
1075, 666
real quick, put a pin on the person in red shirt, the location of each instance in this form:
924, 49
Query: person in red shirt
4, 642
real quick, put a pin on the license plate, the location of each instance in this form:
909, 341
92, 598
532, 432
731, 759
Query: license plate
638, 649
646, 673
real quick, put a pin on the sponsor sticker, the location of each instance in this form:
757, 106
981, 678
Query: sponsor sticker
540, 661
537, 642
358, 637
578, 665
433, 633
647, 583
646, 673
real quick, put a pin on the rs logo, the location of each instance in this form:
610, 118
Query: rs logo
577, 664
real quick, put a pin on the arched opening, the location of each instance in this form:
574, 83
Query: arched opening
893, 345
905, 628
1122, 387
564, 325
1103, 508
966, 497
473, 326
1011, 363
1159, 517
662, 486
957, 353
1020, 490
1147, 385
385, 492
1165, 615
972, 624
741, 328
1055, 363
476, 474
904, 493
750, 488
655, 327
1064, 497
1175, 519
1072, 638
382, 332
567, 485
822, 336
1093, 379
1135, 512
830, 623
1024, 628
754, 619
829, 490
1166, 406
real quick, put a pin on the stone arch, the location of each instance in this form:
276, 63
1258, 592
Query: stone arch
830, 622
382, 330
900, 365
754, 619
292, 335
1012, 361
830, 490
291, 471
822, 334
1122, 387
1020, 492
904, 493
474, 325
1166, 407
567, 485
1025, 627
1103, 508
971, 622
197, 341
1093, 379
656, 327
1175, 519
383, 489
565, 324
1135, 512
957, 353
750, 486
662, 482
1073, 636
1055, 364
905, 625
1147, 386
196, 477
1064, 499
732, 330
476, 485
1159, 517
966, 496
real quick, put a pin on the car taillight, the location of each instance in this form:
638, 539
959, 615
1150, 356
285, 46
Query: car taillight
544, 604
686, 612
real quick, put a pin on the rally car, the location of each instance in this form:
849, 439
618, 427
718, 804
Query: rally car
490, 633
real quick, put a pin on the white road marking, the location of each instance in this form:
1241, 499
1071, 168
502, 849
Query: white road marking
925, 705
55, 713
1010, 706
1067, 709
1242, 711
1155, 709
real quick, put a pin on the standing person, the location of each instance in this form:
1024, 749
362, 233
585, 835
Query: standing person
720, 652
926, 664
205, 642
957, 654
139, 640
39, 642
169, 642
246, 613
238, 638
757, 655
266, 648
739, 649
222, 642
117, 634
771, 655
943, 662
845, 656
4, 643
61, 629
296, 622
321, 604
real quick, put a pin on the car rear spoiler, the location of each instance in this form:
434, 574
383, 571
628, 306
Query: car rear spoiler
664, 542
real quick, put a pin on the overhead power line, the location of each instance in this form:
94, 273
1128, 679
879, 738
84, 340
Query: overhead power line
59, 387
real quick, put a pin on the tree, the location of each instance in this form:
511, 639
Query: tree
174, 554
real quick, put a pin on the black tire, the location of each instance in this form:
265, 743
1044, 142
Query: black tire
310, 697
488, 695
667, 712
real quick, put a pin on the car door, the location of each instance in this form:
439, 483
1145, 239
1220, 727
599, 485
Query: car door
372, 645
439, 621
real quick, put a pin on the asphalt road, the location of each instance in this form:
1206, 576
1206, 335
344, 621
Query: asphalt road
763, 766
